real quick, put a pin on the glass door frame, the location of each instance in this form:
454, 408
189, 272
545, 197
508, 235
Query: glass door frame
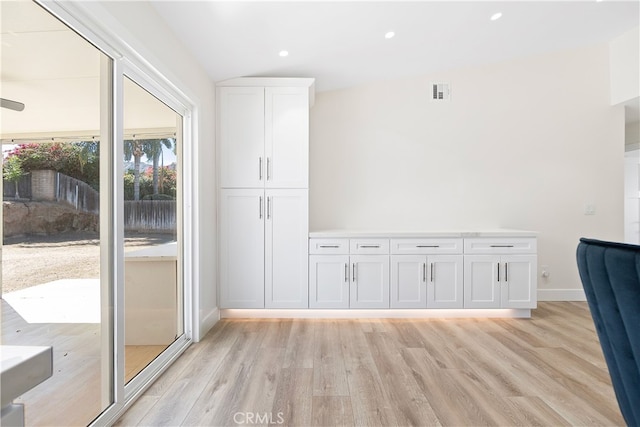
127, 62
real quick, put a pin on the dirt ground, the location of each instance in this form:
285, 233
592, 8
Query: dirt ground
34, 260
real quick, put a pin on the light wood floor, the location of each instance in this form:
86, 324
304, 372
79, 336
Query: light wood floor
544, 371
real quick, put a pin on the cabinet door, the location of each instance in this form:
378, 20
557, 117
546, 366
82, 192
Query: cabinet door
445, 283
287, 249
329, 281
242, 248
519, 286
481, 286
408, 281
369, 281
287, 137
241, 137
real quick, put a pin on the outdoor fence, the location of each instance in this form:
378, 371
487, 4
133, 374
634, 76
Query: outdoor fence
77, 194
24, 188
153, 216
150, 216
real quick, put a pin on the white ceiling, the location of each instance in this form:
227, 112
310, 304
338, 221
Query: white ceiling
342, 44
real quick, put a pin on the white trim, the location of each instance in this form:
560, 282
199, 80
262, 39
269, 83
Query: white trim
561, 295
374, 314
209, 320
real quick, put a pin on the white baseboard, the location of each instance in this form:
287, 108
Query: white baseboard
561, 295
208, 321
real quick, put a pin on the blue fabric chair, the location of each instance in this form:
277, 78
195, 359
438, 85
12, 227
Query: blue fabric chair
610, 274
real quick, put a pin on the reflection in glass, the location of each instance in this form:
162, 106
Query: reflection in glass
153, 319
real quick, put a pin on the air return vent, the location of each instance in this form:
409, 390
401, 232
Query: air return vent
440, 92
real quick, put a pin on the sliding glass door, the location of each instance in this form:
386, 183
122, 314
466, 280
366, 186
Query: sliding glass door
95, 258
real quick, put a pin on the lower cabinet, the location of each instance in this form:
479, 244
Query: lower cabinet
500, 281
420, 281
263, 248
343, 281
329, 281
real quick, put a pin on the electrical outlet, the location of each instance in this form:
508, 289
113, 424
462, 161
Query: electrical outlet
544, 271
589, 209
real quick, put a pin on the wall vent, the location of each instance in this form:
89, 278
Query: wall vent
440, 92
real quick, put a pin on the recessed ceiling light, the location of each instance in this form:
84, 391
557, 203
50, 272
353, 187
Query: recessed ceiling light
283, 53
389, 35
496, 16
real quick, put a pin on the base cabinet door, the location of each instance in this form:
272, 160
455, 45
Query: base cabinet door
369, 281
329, 281
286, 249
445, 281
242, 249
481, 281
519, 284
408, 281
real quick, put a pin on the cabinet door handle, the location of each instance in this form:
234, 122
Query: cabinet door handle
498, 272
506, 271
424, 272
433, 267
427, 246
268, 207
260, 207
501, 246
353, 275
268, 174
329, 246
370, 246
259, 168
346, 272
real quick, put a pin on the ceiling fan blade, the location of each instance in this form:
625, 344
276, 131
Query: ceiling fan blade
11, 105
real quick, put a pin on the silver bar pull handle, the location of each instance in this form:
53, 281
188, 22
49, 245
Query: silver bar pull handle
433, 267
346, 272
506, 271
424, 272
260, 168
268, 174
498, 272
329, 246
427, 246
353, 275
370, 246
501, 246
268, 207
260, 207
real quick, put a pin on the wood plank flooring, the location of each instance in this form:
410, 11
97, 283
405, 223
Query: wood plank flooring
543, 371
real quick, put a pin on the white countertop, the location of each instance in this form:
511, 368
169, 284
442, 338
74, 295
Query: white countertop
22, 368
164, 252
503, 232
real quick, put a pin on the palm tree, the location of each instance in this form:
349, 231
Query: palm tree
153, 151
135, 148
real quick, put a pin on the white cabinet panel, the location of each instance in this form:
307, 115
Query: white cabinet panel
242, 248
426, 246
369, 246
286, 256
408, 281
287, 137
445, 282
481, 286
503, 245
369, 281
329, 281
519, 286
241, 137
329, 246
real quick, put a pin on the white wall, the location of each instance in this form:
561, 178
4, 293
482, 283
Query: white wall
625, 66
522, 144
138, 24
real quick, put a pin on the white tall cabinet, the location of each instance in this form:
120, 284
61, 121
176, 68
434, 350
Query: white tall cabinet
263, 163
